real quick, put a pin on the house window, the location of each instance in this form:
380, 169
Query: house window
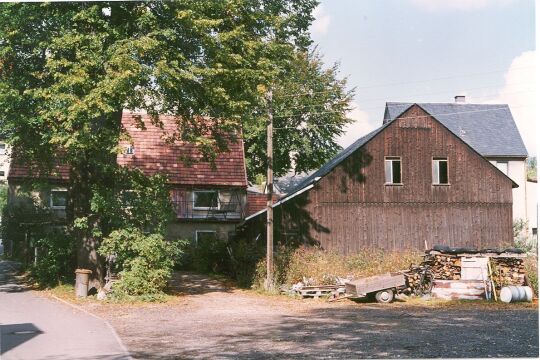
440, 171
392, 170
2, 173
503, 166
130, 150
203, 237
58, 199
205, 199
2, 149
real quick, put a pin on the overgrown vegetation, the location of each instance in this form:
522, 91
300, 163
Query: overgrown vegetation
144, 262
523, 239
322, 267
532, 168
55, 258
531, 267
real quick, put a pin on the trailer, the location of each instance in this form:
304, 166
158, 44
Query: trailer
382, 287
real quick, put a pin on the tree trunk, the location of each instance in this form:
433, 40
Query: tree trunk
95, 167
80, 195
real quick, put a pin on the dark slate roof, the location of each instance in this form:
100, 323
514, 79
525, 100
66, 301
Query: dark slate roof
488, 128
326, 168
285, 184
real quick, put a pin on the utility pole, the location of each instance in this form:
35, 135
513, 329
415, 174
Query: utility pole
269, 196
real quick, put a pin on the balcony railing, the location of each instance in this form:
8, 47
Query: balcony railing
223, 211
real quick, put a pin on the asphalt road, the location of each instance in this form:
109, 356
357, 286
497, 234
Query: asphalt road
34, 327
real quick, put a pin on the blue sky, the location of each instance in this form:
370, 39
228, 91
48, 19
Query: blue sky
429, 51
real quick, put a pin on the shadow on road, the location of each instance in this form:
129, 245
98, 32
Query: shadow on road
13, 335
183, 282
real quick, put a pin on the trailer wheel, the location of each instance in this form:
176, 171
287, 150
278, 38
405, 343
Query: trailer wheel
385, 296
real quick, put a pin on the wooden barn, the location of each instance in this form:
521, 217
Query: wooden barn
411, 183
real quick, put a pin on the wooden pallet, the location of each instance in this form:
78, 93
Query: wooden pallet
324, 290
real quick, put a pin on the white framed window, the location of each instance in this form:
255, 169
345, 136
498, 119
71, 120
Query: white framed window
2, 173
2, 149
392, 170
439, 170
58, 198
205, 199
205, 236
503, 166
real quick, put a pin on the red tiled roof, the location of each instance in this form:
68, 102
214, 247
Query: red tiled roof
153, 155
257, 201
18, 170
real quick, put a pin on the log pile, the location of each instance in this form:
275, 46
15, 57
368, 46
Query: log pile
508, 271
444, 266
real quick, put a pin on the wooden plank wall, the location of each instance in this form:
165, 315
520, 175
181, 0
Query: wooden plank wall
356, 209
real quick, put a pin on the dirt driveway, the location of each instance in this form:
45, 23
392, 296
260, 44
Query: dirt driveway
215, 321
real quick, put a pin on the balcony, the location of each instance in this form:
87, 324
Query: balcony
224, 211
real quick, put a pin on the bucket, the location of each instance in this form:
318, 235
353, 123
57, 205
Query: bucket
516, 293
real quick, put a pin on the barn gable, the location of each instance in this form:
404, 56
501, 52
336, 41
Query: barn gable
347, 205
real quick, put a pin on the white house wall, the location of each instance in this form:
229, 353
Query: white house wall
517, 172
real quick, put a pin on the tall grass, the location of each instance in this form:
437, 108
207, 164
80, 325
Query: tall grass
322, 267
531, 268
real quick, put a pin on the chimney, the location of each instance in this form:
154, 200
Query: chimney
460, 99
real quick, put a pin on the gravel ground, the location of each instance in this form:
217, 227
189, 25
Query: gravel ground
215, 321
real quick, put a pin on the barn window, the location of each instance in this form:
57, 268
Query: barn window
205, 199
392, 169
440, 171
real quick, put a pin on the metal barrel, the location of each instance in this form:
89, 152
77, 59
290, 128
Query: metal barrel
516, 293
81, 282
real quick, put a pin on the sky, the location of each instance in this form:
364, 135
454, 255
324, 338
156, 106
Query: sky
430, 51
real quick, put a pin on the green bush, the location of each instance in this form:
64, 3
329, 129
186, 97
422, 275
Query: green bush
55, 259
144, 262
244, 257
208, 257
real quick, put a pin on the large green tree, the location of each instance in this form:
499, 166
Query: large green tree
67, 70
310, 104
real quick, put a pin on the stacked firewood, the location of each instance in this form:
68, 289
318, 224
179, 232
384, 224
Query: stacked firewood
508, 271
444, 266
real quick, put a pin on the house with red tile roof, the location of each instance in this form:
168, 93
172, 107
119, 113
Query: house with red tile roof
209, 200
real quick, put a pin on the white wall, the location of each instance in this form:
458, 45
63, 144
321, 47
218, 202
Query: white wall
517, 171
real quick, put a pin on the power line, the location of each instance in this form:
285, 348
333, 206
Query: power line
409, 82
389, 105
407, 117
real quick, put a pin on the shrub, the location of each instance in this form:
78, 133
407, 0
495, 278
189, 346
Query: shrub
208, 257
144, 262
55, 259
243, 258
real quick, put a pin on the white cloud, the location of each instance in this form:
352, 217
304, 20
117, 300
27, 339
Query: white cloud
459, 5
360, 127
520, 92
322, 21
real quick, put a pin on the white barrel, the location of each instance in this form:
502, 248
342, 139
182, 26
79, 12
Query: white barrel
516, 293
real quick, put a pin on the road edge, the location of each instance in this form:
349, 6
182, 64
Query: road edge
113, 330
